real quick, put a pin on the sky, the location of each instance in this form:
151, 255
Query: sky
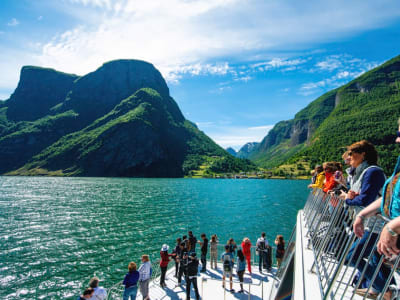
235, 67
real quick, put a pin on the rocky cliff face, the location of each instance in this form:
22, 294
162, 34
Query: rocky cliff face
96, 93
116, 121
38, 90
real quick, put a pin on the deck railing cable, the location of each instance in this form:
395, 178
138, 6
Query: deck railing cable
337, 251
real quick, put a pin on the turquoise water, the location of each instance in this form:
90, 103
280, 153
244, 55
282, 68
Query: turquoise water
56, 233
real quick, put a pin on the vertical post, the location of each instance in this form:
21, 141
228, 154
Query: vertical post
249, 290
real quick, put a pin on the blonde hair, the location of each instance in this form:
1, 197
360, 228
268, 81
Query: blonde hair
132, 267
246, 240
145, 257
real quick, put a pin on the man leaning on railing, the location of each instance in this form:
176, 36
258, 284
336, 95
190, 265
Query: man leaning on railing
389, 206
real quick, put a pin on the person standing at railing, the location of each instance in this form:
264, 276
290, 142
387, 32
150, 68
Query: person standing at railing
100, 293
164, 263
87, 294
130, 281
319, 179
182, 258
145, 271
175, 255
389, 206
204, 249
246, 248
214, 251
240, 268
280, 249
262, 249
228, 262
192, 242
191, 277
232, 246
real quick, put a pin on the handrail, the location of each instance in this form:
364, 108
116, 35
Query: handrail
329, 222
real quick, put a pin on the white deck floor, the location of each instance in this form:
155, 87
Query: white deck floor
210, 286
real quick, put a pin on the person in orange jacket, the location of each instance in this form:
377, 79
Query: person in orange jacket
330, 182
246, 248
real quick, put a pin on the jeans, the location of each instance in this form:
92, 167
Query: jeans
384, 272
144, 288
130, 292
192, 280
203, 261
261, 259
163, 271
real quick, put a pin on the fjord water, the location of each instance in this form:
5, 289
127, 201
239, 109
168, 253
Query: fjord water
56, 233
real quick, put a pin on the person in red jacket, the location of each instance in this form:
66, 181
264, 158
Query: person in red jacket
164, 263
246, 248
330, 182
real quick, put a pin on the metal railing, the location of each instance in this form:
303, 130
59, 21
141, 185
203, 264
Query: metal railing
339, 255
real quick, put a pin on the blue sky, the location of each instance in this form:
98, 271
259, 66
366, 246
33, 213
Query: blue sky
234, 67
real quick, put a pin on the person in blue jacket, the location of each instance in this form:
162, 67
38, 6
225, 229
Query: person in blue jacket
130, 281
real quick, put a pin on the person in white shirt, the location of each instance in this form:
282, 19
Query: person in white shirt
145, 271
100, 293
262, 248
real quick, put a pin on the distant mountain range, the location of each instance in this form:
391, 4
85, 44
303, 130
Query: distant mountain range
244, 151
116, 121
365, 108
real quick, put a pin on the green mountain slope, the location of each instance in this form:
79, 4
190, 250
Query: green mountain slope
116, 121
365, 108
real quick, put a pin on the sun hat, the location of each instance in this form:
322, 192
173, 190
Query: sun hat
164, 247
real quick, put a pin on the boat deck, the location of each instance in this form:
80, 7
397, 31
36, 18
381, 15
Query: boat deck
256, 286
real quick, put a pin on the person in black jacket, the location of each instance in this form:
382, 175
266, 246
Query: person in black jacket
175, 255
191, 277
183, 262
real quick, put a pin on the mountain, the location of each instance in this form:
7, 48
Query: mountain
247, 149
365, 108
116, 121
231, 151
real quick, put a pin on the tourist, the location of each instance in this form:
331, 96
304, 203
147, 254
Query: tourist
183, 257
164, 263
280, 249
87, 294
320, 177
389, 206
214, 251
191, 277
261, 247
330, 183
175, 255
368, 178
232, 246
240, 268
192, 242
349, 171
246, 249
100, 293
130, 281
204, 248
186, 241
338, 175
228, 262
145, 271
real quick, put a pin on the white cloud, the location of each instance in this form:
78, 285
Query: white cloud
279, 63
345, 68
181, 36
13, 22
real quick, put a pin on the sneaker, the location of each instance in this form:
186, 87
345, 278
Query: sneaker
232, 290
241, 291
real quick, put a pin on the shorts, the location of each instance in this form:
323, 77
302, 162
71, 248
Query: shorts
228, 273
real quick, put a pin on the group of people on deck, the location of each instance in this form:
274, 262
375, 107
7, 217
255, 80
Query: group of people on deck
367, 192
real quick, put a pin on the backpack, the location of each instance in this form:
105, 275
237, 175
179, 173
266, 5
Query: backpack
261, 245
227, 263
